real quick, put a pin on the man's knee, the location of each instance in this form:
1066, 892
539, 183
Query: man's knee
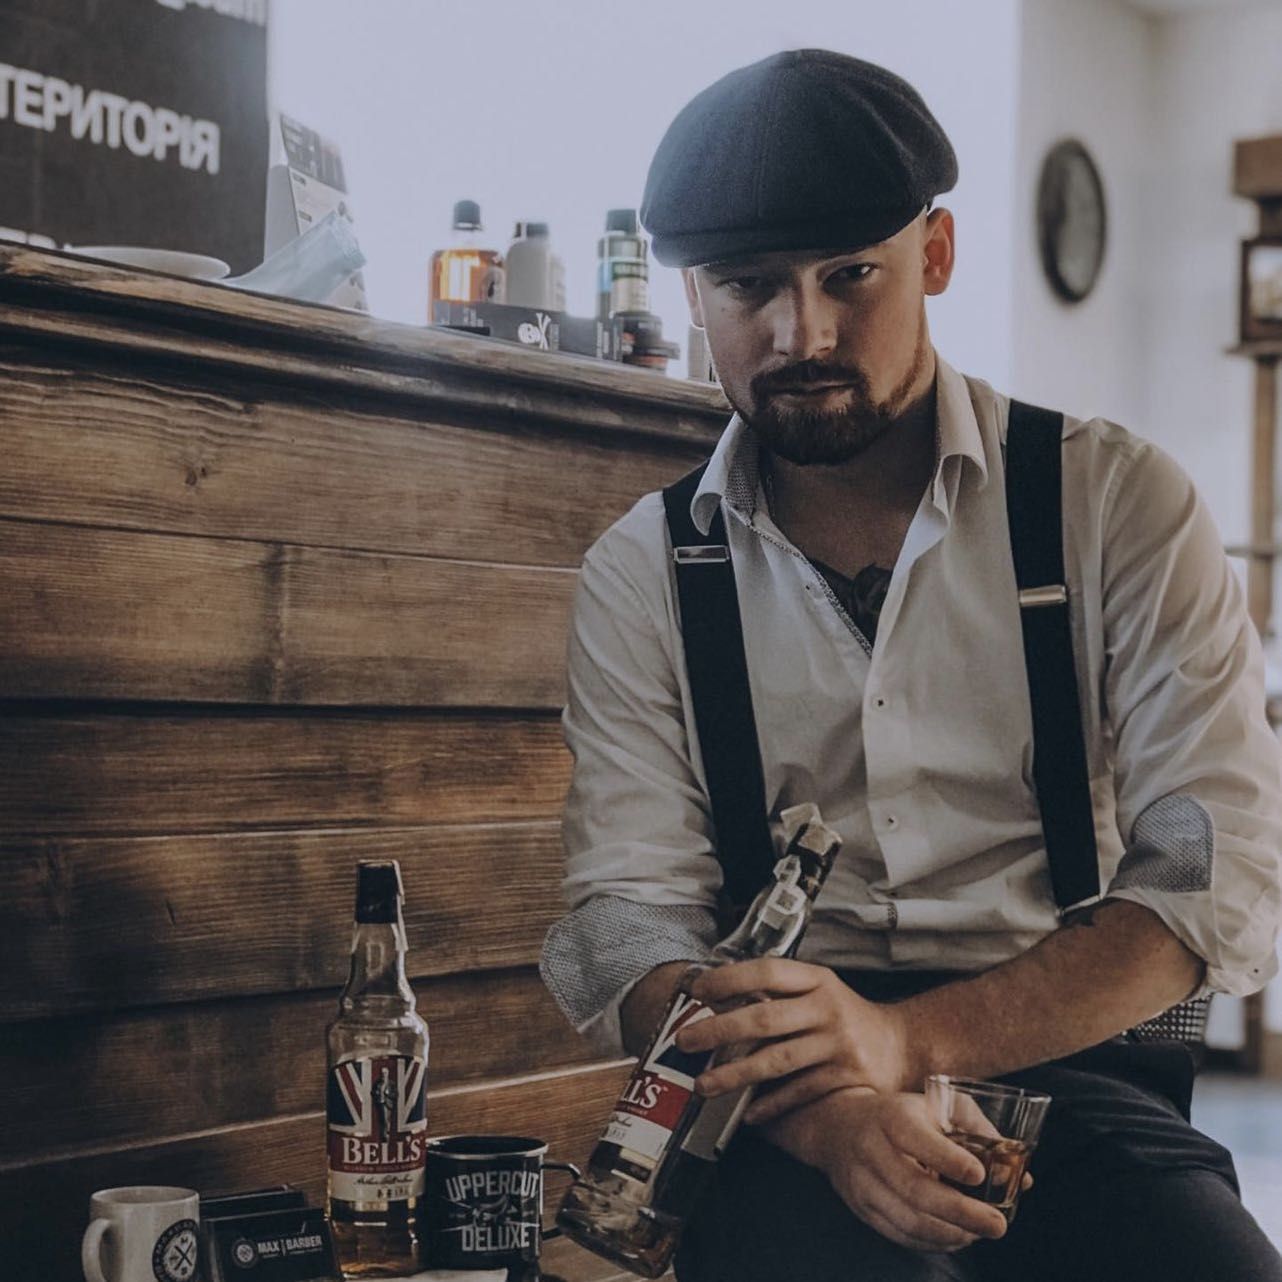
1194, 1227
1142, 1225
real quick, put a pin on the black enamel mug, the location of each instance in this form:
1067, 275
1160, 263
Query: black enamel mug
483, 1202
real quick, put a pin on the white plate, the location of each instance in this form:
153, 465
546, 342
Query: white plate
171, 261
456, 1275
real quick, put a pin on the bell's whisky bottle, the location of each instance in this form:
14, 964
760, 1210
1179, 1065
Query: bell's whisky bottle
376, 1092
662, 1139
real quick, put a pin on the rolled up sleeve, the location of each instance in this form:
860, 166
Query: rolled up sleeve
641, 877
1198, 773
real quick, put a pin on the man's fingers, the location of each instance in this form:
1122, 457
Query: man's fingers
908, 1226
755, 1022
760, 975
914, 1134
923, 1193
779, 1059
876, 1220
969, 1117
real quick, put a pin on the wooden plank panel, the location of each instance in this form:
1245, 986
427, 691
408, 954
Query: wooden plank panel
198, 1065
91, 924
370, 629
145, 772
103, 614
84, 446
44, 1206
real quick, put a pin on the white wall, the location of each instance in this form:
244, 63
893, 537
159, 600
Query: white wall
1159, 101
553, 112
1219, 79
1086, 71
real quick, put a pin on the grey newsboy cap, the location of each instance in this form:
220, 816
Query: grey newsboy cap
807, 149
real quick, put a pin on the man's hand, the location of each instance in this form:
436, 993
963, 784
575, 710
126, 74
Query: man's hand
818, 1033
883, 1155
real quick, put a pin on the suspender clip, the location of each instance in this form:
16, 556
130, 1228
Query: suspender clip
701, 554
1051, 594
1089, 902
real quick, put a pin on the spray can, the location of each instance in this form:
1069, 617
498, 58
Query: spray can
623, 274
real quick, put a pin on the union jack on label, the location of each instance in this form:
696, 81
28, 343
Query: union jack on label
377, 1098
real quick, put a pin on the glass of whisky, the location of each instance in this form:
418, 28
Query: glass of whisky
998, 1124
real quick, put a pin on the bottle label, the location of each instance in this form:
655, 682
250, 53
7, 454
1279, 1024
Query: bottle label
658, 1092
628, 288
377, 1119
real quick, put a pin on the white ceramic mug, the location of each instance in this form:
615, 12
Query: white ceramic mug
143, 1233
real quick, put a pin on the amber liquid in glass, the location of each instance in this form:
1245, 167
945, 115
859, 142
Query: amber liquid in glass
1004, 1161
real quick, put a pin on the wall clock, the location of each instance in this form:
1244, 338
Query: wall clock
1072, 222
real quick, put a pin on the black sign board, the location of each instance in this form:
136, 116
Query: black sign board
135, 122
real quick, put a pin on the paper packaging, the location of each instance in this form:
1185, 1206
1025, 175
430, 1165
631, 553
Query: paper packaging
291, 1245
302, 190
534, 327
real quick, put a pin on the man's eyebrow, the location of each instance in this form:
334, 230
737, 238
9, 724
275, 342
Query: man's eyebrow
758, 267
730, 266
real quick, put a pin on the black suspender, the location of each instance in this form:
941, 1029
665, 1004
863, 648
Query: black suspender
1034, 506
718, 672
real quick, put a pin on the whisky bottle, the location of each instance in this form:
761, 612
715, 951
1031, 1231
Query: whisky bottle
662, 1140
376, 1091
467, 271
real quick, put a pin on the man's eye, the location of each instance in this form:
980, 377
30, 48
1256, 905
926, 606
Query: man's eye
745, 284
856, 271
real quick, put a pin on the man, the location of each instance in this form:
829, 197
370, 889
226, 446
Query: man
861, 482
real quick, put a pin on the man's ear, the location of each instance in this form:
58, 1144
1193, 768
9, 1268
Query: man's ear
938, 251
692, 296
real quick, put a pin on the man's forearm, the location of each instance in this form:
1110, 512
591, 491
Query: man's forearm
644, 1005
1108, 968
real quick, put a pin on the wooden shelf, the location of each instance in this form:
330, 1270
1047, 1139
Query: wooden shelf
1259, 349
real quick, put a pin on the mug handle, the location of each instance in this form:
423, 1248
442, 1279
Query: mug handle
554, 1231
91, 1250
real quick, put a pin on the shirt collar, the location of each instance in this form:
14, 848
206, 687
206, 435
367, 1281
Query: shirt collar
733, 474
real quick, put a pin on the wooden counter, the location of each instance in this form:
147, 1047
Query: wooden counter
281, 587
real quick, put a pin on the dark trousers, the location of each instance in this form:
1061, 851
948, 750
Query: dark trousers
1126, 1191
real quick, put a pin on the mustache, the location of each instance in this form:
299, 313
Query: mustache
806, 373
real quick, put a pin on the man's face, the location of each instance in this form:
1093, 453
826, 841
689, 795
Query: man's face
821, 352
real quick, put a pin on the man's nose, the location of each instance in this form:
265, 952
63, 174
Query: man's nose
805, 323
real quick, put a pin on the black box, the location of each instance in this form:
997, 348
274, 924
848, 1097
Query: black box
535, 327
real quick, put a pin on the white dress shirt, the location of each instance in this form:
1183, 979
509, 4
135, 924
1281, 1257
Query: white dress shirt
918, 750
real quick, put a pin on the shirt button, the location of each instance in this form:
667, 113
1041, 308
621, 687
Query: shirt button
879, 701
891, 821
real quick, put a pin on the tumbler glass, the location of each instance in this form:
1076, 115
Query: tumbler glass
998, 1124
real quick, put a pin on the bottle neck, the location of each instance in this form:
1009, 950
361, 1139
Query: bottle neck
779, 915
378, 964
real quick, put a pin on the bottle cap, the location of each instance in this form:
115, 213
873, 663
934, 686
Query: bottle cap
378, 890
536, 229
467, 215
624, 220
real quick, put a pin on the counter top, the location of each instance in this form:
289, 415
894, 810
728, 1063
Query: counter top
64, 298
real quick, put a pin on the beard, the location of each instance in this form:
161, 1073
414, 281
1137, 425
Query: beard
812, 434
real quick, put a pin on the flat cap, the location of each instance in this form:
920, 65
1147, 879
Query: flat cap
807, 149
